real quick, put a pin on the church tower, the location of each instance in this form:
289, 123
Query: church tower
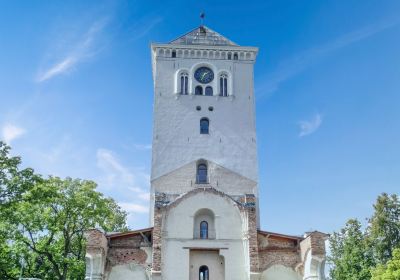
204, 218
204, 115
204, 157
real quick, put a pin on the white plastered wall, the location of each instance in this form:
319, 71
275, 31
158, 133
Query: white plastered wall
128, 272
280, 272
176, 138
178, 236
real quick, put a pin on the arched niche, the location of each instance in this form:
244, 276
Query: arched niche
202, 217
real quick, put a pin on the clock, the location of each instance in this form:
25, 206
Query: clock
204, 75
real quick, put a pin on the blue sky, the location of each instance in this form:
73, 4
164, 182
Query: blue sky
76, 97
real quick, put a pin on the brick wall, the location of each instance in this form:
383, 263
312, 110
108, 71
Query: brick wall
250, 206
274, 250
157, 239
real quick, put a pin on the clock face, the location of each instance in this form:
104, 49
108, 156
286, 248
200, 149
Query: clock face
204, 75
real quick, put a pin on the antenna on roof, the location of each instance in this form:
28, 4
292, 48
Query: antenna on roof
202, 16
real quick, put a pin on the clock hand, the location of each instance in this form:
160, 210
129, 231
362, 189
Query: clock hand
202, 76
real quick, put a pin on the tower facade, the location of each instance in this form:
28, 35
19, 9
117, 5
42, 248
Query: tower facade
204, 218
204, 115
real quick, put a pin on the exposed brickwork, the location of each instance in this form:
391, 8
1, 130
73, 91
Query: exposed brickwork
250, 205
96, 250
126, 249
131, 241
95, 238
318, 243
274, 250
157, 239
118, 256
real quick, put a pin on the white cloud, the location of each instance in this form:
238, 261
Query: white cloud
83, 49
144, 26
311, 126
11, 132
114, 170
120, 181
296, 64
133, 207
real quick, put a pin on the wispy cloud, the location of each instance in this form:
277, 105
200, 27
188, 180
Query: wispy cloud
82, 50
144, 26
299, 62
310, 126
108, 162
133, 207
121, 179
10, 132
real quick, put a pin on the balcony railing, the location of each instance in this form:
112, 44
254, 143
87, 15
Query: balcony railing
211, 235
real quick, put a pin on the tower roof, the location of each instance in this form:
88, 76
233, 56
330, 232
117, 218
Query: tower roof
203, 35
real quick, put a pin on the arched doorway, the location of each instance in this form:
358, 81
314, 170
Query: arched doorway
204, 273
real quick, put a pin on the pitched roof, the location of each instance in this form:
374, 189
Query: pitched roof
128, 233
203, 35
279, 235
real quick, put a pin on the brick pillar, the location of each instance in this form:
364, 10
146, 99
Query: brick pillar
250, 205
157, 234
96, 253
313, 255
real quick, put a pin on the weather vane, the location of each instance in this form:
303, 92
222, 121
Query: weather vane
202, 16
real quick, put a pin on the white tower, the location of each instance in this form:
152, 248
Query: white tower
204, 115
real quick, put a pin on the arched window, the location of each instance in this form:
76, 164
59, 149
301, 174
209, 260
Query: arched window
184, 83
223, 85
198, 90
201, 177
229, 56
173, 54
203, 230
235, 56
203, 273
204, 126
209, 91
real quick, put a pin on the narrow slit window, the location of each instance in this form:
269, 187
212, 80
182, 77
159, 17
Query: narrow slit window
198, 90
223, 85
184, 84
209, 91
204, 126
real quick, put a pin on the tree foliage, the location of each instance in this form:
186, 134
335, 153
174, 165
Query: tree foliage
14, 181
356, 252
350, 255
43, 222
384, 227
390, 271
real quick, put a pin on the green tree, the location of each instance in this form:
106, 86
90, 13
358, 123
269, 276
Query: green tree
384, 227
390, 271
14, 181
43, 221
350, 256
50, 225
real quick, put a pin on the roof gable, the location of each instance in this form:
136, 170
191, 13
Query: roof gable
203, 35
